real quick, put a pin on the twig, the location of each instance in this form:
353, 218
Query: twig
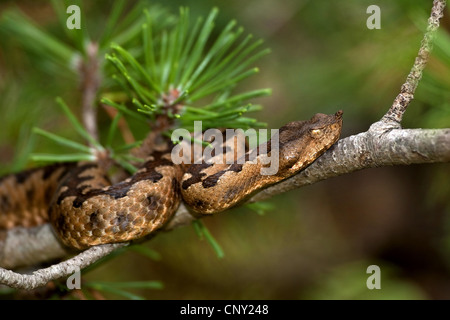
90, 81
43, 276
401, 102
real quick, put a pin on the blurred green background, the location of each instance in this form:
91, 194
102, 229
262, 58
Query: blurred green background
316, 242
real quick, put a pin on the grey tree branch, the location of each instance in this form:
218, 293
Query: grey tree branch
383, 144
28, 246
56, 271
406, 95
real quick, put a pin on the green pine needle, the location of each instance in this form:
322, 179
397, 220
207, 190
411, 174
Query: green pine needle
125, 164
203, 233
77, 125
44, 157
146, 251
260, 207
63, 141
123, 109
113, 129
118, 288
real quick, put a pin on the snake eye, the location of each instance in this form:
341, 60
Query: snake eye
316, 132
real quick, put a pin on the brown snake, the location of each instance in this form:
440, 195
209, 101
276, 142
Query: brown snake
85, 209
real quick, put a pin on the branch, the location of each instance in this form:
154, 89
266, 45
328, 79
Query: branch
28, 246
401, 102
43, 276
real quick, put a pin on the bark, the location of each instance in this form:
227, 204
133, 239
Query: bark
43, 276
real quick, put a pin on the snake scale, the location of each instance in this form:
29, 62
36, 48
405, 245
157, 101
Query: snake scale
85, 209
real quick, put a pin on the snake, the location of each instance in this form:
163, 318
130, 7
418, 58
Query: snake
86, 209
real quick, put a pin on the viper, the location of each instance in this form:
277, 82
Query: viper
86, 209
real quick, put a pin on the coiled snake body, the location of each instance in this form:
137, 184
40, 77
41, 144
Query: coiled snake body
85, 209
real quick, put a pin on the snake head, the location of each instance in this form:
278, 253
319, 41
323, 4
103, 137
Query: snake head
301, 142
